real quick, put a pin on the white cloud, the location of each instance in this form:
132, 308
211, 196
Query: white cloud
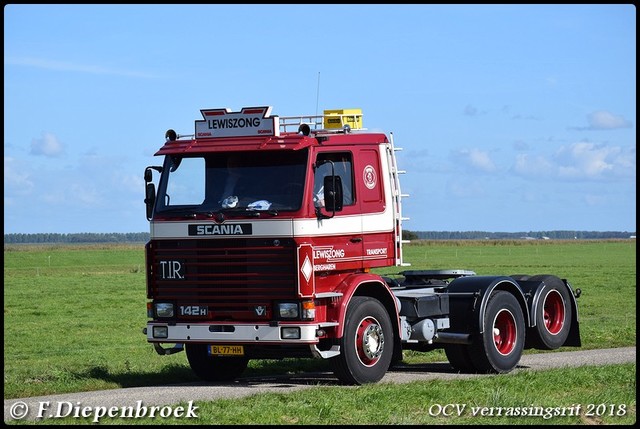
603, 120
71, 194
85, 194
131, 183
16, 180
532, 166
588, 160
475, 158
55, 196
579, 161
48, 146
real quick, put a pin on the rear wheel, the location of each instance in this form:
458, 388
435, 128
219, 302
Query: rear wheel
366, 346
553, 314
499, 348
214, 368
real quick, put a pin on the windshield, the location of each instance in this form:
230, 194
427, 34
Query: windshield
233, 180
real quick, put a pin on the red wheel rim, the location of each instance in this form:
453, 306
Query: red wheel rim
504, 332
553, 312
369, 341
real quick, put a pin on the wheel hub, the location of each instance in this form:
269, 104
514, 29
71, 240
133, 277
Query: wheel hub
553, 312
372, 341
504, 332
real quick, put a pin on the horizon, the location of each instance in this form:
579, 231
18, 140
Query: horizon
404, 229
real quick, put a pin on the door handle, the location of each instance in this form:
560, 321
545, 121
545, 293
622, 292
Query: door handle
356, 239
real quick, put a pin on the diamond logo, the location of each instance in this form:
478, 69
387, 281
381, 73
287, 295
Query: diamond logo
306, 269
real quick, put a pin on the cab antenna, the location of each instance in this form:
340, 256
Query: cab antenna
318, 94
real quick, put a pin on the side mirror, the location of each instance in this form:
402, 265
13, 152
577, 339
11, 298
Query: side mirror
333, 195
150, 199
150, 190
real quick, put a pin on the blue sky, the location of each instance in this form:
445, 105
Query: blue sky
511, 117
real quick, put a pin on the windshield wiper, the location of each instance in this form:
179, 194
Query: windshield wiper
187, 212
241, 210
220, 213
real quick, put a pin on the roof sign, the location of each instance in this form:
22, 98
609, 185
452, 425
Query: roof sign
249, 122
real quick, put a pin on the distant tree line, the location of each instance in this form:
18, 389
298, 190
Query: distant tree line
82, 237
143, 237
527, 235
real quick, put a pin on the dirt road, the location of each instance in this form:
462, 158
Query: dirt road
30, 408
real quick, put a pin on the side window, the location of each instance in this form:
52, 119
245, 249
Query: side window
342, 166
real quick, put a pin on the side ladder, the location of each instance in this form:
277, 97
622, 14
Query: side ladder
397, 200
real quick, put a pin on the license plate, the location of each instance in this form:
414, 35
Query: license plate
226, 350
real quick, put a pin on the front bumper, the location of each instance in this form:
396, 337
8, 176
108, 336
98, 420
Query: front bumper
235, 333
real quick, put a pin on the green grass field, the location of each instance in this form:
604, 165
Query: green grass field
74, 317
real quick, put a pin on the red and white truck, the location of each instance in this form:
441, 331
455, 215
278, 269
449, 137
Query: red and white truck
265, 233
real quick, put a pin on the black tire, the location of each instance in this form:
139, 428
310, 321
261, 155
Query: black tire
499, 348
214, 368
459, 358
520, 277
366, 346
553, 314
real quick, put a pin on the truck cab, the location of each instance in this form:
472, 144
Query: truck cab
261, 228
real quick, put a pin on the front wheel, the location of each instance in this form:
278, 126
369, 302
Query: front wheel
366, 346
499, 347
214, 368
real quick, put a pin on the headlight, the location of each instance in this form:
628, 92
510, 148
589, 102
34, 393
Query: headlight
288, 310
164, 309
160, 332
290, 333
